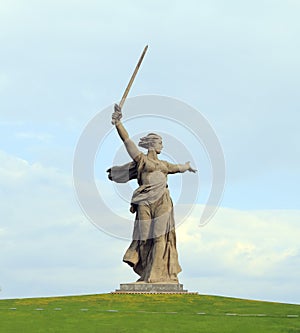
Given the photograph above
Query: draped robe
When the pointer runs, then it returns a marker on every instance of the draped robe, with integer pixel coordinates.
(152, 253)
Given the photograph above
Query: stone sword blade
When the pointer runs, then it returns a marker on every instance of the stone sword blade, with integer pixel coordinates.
(132, 79)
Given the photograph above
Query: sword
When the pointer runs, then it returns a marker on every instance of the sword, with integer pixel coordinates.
(131, 80)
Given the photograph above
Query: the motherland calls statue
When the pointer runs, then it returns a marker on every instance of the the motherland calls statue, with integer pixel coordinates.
(152, 253)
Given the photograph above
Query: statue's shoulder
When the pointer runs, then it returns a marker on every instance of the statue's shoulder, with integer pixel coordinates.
(141, 158)
(165, 162)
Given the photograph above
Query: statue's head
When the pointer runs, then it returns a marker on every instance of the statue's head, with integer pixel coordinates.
(152, 141)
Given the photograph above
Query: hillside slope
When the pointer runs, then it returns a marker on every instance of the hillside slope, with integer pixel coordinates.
(147, 313)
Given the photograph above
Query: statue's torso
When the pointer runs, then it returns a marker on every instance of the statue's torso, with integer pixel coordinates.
(154, 171)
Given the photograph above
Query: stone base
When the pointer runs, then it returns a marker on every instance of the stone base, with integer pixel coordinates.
(151, 288)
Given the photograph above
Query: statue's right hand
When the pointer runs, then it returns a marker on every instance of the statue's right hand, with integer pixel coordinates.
(117, 114)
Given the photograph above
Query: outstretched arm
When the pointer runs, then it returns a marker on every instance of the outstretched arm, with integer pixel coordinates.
(130, 146)
(175, 168)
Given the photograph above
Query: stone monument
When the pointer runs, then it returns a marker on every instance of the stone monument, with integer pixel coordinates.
(152, 253)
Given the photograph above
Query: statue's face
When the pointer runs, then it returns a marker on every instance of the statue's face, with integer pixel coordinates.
(158, 146)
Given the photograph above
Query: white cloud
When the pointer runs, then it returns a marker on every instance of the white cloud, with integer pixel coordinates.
(33, 136)
(48, 245)
(32, 192)
(251, 248)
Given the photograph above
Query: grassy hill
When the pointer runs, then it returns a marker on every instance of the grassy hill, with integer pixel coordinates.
(147, 313)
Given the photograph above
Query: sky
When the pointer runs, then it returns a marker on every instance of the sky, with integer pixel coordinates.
(235, 62)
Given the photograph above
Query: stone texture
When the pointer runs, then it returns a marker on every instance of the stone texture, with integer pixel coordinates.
(151, 288)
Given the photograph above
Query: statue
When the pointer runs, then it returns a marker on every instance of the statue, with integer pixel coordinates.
(152, 253)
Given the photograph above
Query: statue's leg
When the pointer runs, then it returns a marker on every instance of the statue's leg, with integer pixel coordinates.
(165, 264)
(145, 241)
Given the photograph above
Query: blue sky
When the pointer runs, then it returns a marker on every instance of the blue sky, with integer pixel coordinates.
(236, 62)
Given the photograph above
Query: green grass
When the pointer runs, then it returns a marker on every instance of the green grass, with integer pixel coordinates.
(146, 313)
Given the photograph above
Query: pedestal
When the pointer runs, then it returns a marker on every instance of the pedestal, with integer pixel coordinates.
(151, 288)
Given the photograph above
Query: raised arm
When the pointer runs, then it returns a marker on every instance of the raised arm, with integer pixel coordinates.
(130, 146)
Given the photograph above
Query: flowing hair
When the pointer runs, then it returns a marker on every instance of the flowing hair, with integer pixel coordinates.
(149, 141)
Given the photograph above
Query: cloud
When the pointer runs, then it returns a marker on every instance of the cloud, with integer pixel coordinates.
(33, 136)
(48, 246)
(247, 249)
(18, 176)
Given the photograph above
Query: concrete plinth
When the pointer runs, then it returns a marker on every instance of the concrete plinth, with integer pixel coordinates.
(151, 288)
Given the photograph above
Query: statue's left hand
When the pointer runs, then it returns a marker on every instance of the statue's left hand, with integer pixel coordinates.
(189, 168)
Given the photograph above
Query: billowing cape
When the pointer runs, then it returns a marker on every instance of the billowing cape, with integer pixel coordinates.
(123, 173)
